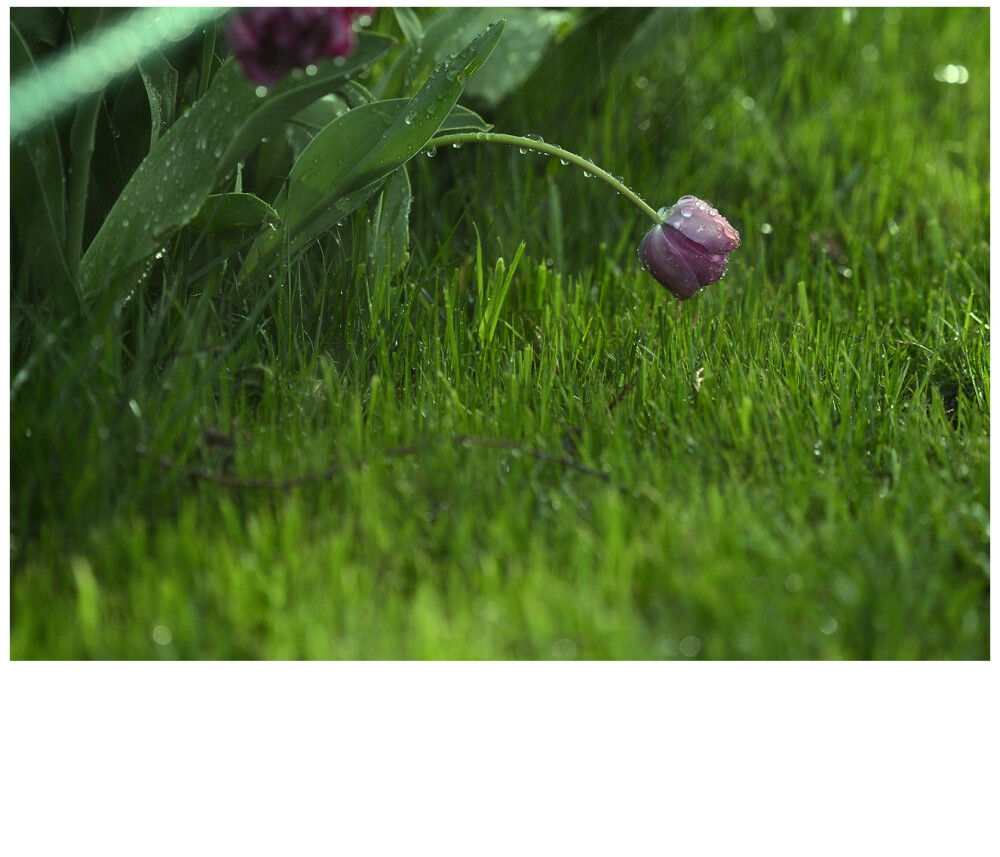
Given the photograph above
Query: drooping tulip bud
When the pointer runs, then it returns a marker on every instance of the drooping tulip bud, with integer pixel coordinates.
(271, 41)
(689, 249)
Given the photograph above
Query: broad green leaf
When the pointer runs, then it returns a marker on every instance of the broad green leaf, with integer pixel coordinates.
(528, 33)
(398, 77)
(409, 25)
(228, 212)
(81, 142)
(389, 237)
(328, 109)
(195, 154)
(355, 94)
(569, 63)
(359, 149)
(321, 113)
(463, 119)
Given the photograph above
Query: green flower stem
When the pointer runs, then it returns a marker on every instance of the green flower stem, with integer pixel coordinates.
(547, 149)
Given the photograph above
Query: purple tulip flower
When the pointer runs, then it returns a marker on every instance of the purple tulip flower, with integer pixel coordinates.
(689, 248)
(271, 41)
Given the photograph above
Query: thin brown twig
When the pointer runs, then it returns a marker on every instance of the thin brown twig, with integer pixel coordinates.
(625, 391)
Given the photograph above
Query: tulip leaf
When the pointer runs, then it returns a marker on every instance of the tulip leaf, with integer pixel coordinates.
(350, 158)
(409, 25)
(398, 77)
(160, 79)
(193, 156)
(528, 34)
(321, 113)
(390, 230)
(230, 212)
(317, 116)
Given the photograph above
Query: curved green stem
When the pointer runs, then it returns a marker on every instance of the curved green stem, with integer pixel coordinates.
(547, 149)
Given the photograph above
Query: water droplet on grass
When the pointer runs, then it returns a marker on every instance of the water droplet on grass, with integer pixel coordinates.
(689, 646)
(564, 650)
(951, 74)
(793, 583)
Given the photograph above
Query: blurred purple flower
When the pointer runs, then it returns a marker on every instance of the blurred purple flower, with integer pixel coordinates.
(690, 248)
(271, 41)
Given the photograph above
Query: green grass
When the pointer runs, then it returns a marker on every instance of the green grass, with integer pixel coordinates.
(794, 464)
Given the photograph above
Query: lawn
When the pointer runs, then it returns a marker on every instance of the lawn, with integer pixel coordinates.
(519, 445)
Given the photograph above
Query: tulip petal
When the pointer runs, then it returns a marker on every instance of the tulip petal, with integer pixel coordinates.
(271, 41)
(703, 224)
(689, 249)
